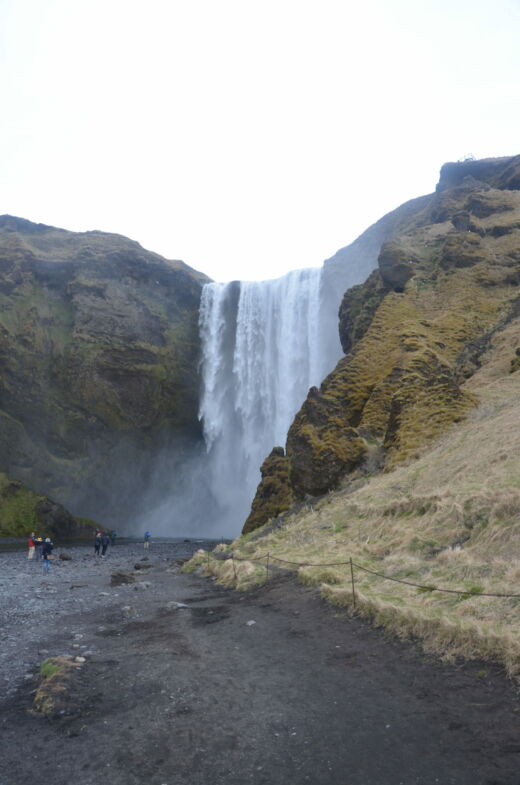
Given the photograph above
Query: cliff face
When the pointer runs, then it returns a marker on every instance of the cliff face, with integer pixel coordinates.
(98, 364)
(447, 283)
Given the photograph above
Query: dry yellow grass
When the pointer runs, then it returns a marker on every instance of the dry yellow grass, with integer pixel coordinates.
(449, 519)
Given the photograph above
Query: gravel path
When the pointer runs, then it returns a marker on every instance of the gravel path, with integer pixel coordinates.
(186, 683)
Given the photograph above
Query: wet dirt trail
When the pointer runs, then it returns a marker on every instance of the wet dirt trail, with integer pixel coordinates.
(201, 696)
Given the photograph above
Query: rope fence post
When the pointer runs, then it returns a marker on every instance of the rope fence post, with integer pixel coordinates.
(234, 566)
(208, 557)
(353, 585)
(267, 569)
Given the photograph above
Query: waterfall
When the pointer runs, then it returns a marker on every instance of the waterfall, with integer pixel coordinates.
(264, 344)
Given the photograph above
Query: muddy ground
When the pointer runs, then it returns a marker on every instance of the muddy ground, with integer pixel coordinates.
(200, 695)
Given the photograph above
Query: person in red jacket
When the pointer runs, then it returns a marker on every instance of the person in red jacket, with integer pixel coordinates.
(31, 545)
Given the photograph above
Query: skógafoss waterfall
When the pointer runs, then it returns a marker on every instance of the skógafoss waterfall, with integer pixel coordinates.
(264, 343)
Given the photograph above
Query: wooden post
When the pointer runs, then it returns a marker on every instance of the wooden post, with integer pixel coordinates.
(267, 569)
(233, 560)
(352, 579)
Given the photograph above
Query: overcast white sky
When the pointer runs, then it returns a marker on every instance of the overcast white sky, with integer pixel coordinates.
(246, 137)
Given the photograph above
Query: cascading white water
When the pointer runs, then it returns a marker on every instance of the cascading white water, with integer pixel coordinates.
(264, 345)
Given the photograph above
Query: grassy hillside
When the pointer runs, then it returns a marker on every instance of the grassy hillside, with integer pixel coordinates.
(448, 517)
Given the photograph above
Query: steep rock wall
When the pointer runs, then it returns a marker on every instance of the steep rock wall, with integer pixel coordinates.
(99, 352)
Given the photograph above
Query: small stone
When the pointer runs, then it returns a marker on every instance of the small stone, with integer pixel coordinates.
(250, 623)
(173, 604)
(80, 659)
(104, 594)
(141, 585)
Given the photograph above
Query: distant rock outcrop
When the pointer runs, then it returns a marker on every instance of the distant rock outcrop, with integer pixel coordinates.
(99, 352)
(447, 281)
(22, 512)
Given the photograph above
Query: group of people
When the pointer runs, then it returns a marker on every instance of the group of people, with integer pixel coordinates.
(41, 548)
(101, 542)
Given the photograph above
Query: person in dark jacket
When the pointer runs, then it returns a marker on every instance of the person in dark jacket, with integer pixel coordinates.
(105, 540)
(39, 545)
(97, 543)
(47, 554)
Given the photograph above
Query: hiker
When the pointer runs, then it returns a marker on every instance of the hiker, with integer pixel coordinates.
(47, 554)
(147, 538)
(39, 545)
(97, 543)
(112, 534)
(31, 545)
(105, 539)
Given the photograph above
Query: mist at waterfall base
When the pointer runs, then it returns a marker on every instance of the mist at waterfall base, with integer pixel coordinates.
(264, 344)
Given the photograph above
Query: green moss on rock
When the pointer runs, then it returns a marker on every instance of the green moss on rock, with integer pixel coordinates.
(415, 331)
(99, 357)
(274, 495)
(23, 511)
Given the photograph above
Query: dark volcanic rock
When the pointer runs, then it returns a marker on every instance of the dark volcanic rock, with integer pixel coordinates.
(274, 494)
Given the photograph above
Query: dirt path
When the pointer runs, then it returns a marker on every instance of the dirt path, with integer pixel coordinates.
(200, 696)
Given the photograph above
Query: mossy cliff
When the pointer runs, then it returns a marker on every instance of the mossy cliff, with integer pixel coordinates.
(98, 364)
(447, 282)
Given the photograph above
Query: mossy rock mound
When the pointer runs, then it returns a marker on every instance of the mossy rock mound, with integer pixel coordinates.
(23, 511)
(321, 447)
(274, 495)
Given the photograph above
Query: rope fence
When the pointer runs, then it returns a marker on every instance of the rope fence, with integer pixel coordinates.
(267, 557)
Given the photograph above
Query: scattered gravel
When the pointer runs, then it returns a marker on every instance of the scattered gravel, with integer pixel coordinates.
(30, 599)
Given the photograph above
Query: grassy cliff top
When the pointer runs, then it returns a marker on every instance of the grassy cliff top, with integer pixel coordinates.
(49, 243)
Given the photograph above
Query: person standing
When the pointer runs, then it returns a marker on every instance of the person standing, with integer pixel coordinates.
(47, 555)
(147, 538)
(97, 543)
(39, 545)
(105, 539)
(31, 545)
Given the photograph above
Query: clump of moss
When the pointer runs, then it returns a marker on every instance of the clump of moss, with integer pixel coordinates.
(53, 694)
